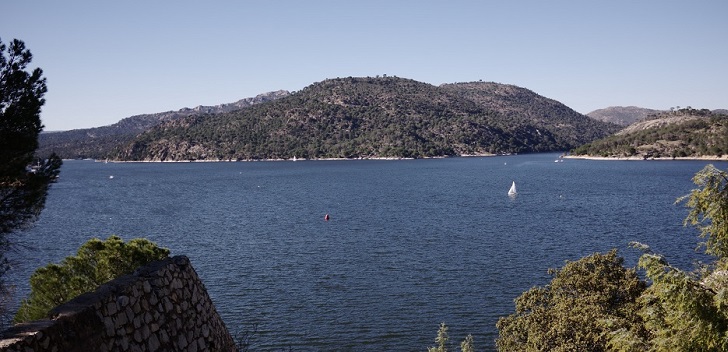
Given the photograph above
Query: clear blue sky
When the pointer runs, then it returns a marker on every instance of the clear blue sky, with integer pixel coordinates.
(106, 60)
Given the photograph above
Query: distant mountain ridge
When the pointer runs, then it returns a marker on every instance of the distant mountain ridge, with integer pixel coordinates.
(365, 117)
(98, 142)
(623, 115)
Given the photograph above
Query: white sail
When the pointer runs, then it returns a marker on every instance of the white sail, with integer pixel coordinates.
(512, 191)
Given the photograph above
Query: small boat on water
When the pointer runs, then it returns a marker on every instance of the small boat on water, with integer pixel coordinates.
(512, 191)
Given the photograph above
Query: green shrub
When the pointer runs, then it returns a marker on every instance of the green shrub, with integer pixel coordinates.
(585, 301)
(96, 263)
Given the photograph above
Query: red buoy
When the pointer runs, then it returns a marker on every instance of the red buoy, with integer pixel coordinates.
(326, 218)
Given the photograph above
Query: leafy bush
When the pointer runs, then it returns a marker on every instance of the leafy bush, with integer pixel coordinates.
(585, 300)
(96, 263)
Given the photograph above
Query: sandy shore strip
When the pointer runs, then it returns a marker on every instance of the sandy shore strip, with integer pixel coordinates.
(640, 158)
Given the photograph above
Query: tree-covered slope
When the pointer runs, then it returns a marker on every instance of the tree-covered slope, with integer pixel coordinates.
(681, 133)
(521, 105)
(369, 117)
(98, 142)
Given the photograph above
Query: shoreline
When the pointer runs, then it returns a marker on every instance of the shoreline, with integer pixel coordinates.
(274, 160)
(639, 158)
(582, 157)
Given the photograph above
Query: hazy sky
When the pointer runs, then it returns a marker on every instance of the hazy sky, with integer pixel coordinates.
(107, 60)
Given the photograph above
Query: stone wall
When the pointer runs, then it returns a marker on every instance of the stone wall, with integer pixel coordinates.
(161, 307)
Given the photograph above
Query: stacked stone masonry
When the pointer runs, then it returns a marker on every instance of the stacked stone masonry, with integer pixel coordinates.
(161, 307)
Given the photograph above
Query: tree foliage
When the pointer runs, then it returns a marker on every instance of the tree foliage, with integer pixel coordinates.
(96, 262)
(467, 345)
(585, 300)
(681, 311)
(442, 341)
(709, 209)
(688, 311)
(22, 189)
(21, 97)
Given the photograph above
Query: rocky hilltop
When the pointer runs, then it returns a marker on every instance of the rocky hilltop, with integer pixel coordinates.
(366, 117)
(97, 143)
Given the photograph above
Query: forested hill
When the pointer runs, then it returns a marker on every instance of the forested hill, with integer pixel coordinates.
(524, 106)
(98, 142)
(374, 117)
(682, 133)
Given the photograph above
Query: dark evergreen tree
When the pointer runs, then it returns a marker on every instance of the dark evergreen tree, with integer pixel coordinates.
(23, 182)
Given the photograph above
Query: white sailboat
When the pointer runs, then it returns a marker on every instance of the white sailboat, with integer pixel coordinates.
(512, 191)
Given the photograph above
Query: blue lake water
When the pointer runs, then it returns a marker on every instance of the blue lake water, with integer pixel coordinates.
(410, 243)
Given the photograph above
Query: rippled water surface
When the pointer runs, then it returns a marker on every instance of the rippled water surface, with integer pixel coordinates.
(410, 243)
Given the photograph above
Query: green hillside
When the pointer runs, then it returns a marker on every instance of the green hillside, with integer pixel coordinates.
(522, 106)
(681, 133)
(98, 142)
(374, 117)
